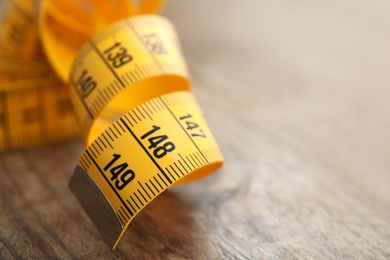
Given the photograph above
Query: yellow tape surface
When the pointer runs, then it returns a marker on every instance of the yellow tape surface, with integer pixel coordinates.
(34, 111)
(164, 141)
(35, 106)
(129, 88)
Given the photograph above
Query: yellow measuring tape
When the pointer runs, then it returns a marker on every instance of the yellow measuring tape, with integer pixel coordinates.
(19, 36)
(130, 90)
(34, 111)
(35, 106)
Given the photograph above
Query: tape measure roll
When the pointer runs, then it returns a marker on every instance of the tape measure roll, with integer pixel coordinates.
(162, 142)
(130, 91)
(122, 66)
(19, 35)
(133, 70)
(34, 110)
(35, 106)
(66, 25)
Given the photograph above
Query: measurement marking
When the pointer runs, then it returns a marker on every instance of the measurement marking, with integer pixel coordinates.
(94, 155)
(150, 180)
(146, 151)
(209, 154)
(137, 74)
(150, 111)
(109, 183)
(108, 97)
(167, 101)
(177, 120)
(131, 213)
(80, 98)
(102, 143)
(82, 161)
(139, 111)
(197, 165)
(135, 121)
(139, 119)
(99, 99)
(144, 189)
(105, 62)
(144, 70)
(155, 101)
(110, 89)
(128, 77)
(135, 202)
(94, 147)
(87, 159)
(128, 119)
(143, 43)
(116, 129)
(116, 137)
(134, 76)
(179, 168)
(154, 177)
(118, 86)
(120, 125)
(94, 108)
(202, 162)
(162, 179)
(143, 109)
(178, 176)
(138, 68)
(170, 173)
(159, 103)
(99, 144)
(126, 81)
(152, 105)
(107, 140)
(120, 216)
(135, 194)
(107, 133)
(185, 163)
(142, 196)
(103, 94)
(190, 162)
(147, 185)
(123, 216)
(131, 206)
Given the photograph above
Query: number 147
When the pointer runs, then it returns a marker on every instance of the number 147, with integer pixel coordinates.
(192, 126)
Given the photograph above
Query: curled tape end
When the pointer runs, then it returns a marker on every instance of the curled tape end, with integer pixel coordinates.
(97, 206)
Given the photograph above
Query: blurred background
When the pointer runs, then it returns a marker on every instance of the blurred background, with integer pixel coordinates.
(296, 94)
(314, 73)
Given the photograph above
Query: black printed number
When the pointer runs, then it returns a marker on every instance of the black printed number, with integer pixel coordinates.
(192, 127)
(117, 55)
(119, 172)
(158, 143)
(85, 84)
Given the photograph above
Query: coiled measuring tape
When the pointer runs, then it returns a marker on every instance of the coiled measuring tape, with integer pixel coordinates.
(66, 25)
(19, 35)
(131, 96)
(35, 106)
(34, 111)
(133, 70)
(163, 142)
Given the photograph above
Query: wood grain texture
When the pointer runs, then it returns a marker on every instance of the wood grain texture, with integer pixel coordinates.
(296, 93)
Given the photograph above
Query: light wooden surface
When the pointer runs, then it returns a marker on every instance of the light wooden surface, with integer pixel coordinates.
(297, 95)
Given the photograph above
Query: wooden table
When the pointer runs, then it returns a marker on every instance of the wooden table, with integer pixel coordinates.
(297, 95)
